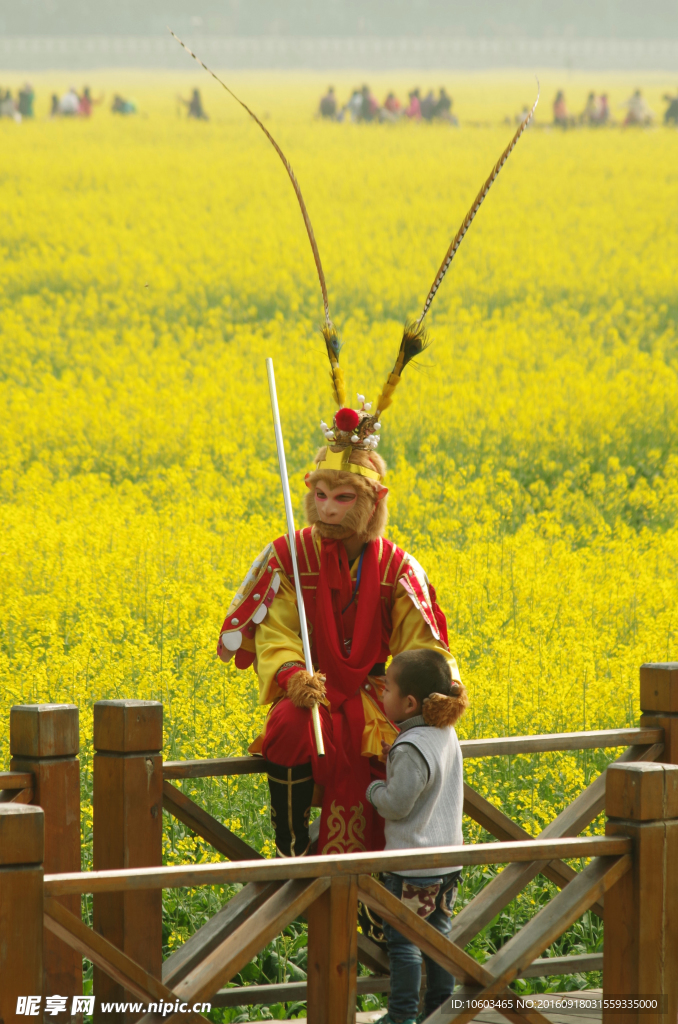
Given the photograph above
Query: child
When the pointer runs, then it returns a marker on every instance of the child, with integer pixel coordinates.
(421, 802)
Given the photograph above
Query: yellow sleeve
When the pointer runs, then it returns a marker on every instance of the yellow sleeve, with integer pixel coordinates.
(277, 640)
(411, 633)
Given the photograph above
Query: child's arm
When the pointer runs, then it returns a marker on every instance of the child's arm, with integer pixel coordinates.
(408, 774)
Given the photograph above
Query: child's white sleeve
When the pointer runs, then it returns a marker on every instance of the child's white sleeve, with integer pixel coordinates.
(407, 775)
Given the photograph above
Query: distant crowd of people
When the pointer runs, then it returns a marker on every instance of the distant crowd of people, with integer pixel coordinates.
(363, 105)
(81, 104)
(70, 104)
(597, 113)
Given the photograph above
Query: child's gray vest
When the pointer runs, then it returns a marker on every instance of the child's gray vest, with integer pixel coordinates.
(435, 820)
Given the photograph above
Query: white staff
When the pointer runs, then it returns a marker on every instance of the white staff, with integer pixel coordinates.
(315, 714)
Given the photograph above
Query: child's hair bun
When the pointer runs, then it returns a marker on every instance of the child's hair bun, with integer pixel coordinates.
(441, 711)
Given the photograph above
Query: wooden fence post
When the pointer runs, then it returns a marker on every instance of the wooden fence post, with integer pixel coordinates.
(127, 834)
(659, 703)
(640, 954)
(21, 928)
(44, 740)
(332, 987)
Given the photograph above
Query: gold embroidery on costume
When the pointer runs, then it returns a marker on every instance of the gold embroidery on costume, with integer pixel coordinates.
(343, 838)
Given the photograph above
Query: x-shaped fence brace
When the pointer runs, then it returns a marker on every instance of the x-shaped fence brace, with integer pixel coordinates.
(261, 910)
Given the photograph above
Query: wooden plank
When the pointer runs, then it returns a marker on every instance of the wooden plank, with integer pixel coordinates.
(44, 743)
(215, 766)
(179, 876)
(502, 889)
(493, 747)
(127, 810)
(205, 825)
(561, 741)
(333, 953)
(505, 829)
(553, 966)
(430, 941)
(372, 955)
(214, 931)
(288, 992)
(16, 780)
(219, 966)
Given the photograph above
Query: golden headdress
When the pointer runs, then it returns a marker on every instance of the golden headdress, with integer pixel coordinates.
(353, 429)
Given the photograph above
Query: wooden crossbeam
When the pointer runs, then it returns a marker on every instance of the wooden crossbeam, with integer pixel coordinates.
(543, 929)
(594, 740)
(179, 876)
(116, 964)
(484, 907)
(205, 825)
(504, 828)
(16, 780)
(238, 909)
(430, 941)
(213, 767)
(494, 747)
(238, 948)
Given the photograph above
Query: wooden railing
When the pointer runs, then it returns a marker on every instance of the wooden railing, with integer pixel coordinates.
(632, 879)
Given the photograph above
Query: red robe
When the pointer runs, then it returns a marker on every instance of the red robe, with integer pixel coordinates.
(350, 635)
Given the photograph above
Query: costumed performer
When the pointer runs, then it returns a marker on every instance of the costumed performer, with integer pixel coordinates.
(365, 599)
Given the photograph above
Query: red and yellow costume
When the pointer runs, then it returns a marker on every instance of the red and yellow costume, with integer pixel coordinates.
(353, 632)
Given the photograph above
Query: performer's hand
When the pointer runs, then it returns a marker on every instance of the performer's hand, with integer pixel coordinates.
(305, 690)
(385, 748)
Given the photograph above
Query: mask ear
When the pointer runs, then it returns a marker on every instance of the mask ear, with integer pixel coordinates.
(383, 491)
(306, 480)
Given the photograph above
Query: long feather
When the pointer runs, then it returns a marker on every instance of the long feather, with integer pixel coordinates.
(466, 223)
(292, 177)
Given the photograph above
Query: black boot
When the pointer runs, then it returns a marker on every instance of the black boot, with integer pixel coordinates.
(291, 796)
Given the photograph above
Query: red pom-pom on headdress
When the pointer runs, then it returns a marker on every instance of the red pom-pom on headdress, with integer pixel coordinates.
(347, 419)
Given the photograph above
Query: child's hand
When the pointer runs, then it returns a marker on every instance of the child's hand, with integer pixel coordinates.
(385, 748)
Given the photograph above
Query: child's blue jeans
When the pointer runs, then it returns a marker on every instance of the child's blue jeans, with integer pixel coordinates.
(405, 957)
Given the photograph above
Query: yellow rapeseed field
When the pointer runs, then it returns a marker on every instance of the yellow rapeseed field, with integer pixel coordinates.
(150, 264)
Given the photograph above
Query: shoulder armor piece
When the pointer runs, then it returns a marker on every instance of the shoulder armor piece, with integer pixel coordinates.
(390, 561)
(415, 581)
(307, 556)
(250, 605)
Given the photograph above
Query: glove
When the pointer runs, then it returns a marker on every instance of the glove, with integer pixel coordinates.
(305, 690)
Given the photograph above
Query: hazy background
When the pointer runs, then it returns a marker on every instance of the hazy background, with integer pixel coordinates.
(324, 34)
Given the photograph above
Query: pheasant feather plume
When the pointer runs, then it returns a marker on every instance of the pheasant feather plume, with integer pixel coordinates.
(468, 219)
(290, 172)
